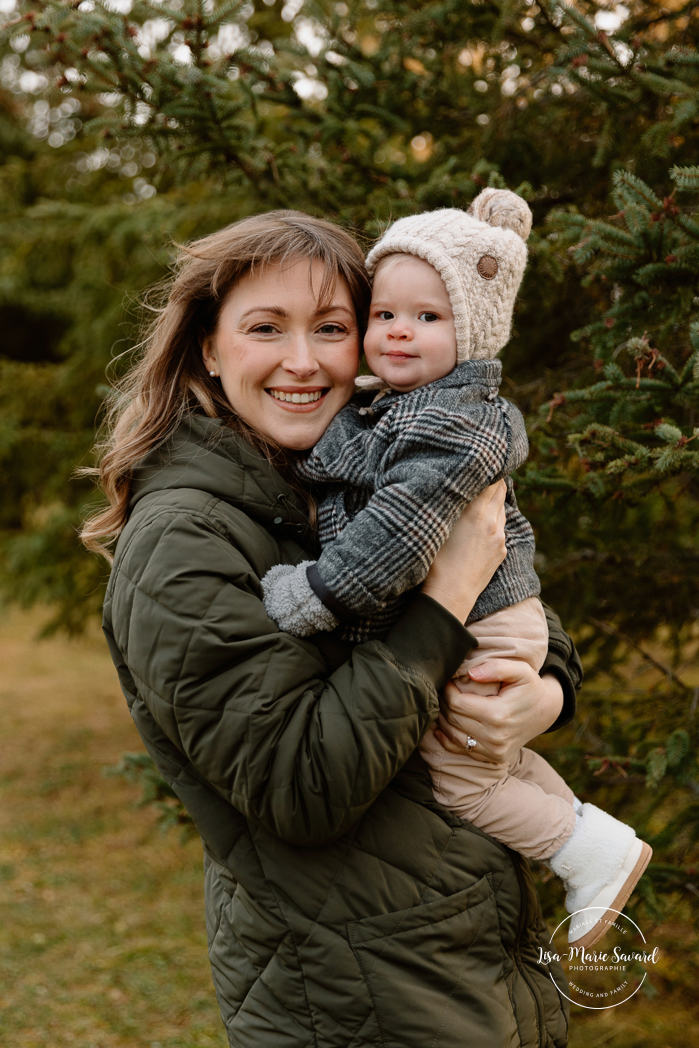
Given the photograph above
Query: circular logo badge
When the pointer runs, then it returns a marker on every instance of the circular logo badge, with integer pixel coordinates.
(611, 971)
(488, 267)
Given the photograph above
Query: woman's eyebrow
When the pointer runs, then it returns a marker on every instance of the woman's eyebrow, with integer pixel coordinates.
(334, 308)
(276, 310)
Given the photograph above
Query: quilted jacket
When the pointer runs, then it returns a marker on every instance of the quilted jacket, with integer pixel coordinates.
(345, 907)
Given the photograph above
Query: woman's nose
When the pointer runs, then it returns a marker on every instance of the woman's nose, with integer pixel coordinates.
(300, 359)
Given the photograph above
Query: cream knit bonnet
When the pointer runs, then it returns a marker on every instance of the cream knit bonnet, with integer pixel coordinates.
(480, 255)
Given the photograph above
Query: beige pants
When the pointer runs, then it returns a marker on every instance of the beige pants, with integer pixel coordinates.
(524, 804)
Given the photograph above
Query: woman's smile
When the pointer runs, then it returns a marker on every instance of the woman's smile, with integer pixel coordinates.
(298, 398)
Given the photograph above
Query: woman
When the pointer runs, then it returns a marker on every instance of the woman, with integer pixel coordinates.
(345, 907)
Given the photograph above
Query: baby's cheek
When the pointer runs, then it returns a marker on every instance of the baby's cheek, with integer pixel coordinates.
(371, 344)
(371, 335)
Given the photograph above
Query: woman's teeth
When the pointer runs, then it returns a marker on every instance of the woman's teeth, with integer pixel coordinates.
(297, 398)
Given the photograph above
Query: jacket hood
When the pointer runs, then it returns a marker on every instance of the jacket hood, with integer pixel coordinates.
(205, 455)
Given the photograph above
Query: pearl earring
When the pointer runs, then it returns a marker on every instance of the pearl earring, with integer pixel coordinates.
(213, 374)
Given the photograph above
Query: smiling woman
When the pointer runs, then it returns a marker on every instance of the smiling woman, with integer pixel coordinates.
(344, 906)
(286, 359)
(272, 305)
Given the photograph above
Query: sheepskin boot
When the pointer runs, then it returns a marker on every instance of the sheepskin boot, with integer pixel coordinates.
(600, 865)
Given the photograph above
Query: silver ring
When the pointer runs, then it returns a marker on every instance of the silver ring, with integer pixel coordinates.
(471, 742)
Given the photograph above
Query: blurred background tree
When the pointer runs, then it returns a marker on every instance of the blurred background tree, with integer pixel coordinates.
(126, 127)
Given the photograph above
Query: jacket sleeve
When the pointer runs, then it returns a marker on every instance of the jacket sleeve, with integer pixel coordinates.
(564, 663)
(434, 466)
(256, 712)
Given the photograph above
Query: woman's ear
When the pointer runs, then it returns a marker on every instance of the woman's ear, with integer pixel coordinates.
(208, 355)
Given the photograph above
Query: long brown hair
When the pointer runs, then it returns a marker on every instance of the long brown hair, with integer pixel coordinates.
(170, 381)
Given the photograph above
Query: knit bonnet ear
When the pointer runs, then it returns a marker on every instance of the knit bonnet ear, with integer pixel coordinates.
(501, 207)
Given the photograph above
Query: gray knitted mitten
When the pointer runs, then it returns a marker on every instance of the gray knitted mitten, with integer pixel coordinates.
(290, 601)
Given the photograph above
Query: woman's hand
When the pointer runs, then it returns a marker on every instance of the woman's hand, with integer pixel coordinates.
(526, 706)
(468, 559)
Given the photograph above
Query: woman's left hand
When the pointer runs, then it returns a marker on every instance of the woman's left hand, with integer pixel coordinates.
(501, 724)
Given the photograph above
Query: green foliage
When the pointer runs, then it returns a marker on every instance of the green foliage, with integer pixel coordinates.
(123, 130)
(619, 456)
(155, 792)
(626, 446)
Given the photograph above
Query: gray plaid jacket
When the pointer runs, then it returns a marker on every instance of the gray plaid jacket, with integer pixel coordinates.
(394, 478)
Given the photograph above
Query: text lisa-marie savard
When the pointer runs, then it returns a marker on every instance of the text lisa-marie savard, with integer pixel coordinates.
(588, 958)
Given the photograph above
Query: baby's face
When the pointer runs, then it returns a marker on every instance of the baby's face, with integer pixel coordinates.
(410, 340)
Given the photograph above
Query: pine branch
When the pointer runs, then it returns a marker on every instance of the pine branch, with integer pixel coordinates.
(614, 632)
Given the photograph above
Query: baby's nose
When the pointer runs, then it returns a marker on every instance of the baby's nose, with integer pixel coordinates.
(400, 330)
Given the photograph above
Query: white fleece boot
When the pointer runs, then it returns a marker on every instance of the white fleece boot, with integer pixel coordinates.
(600, 865)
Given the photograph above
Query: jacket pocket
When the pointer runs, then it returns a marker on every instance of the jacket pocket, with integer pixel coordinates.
(434, 972)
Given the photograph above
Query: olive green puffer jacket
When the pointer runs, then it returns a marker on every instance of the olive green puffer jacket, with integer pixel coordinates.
(345, 907)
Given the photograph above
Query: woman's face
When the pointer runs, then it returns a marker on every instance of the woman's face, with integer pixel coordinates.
(286, 366)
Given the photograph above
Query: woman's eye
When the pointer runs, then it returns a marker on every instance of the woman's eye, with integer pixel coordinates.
(429, 318)
(332, 329)
(264, 329)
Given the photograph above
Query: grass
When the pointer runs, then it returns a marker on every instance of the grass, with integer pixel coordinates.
(102, 943)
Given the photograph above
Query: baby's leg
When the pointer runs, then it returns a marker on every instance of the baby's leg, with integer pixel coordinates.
(519, 812)
(518, 632)
(598, 858)
(526, 805)
(531, 767)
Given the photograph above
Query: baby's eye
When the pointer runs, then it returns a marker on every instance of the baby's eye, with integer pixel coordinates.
(385, 314)
(429, 318)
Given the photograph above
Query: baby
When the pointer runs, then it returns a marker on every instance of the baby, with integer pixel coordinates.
(397, 466)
